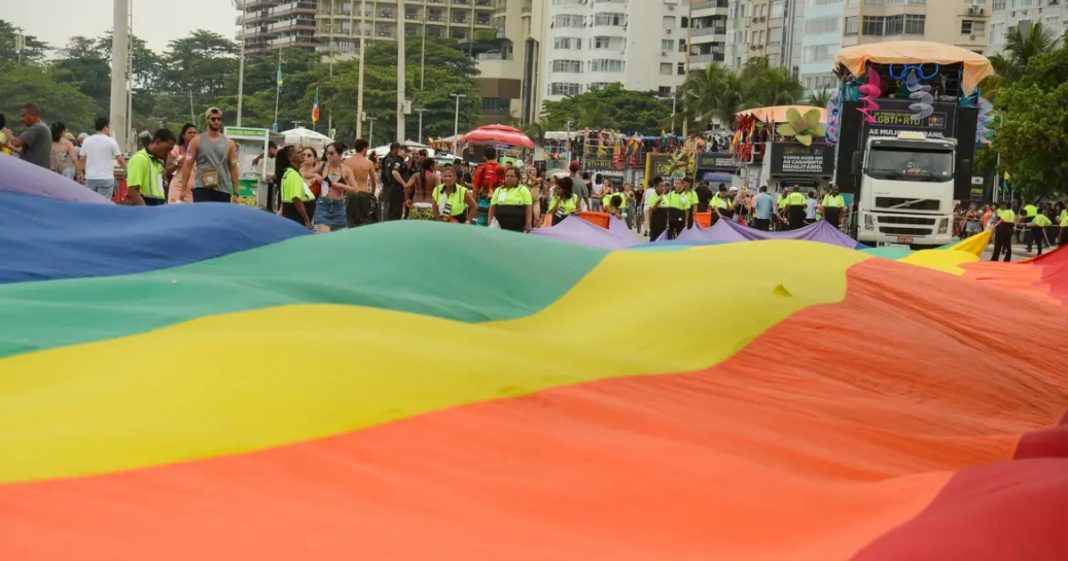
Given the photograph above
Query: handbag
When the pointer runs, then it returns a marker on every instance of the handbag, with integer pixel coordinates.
(209, 179)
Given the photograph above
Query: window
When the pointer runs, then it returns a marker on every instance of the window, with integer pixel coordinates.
(827, 24)
(915, 25)
(778, 9)
(564, 88)
(850, 27)
(669, 22)
(681, 69)
(775, 36)
(818, 53)
(895, 25)
(567, 43)
(606, 43)
(568, 20)
(665, 68)
(606, 65)
(972, 27)
(667, 45)
(873, 25)
(664, 90)
(567, 66)
(609, 18)
(599, 85)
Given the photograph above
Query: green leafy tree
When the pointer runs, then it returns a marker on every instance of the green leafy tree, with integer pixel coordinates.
(819, 98)
(33, 51)
(609, 107)
(58, 101)
(717, 93)
(1032, 137)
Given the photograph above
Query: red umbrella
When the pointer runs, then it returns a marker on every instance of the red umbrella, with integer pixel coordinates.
(499, 134)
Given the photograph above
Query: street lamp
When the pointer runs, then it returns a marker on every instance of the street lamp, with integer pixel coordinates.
(371, 132)
(456, 119)
(420, 110)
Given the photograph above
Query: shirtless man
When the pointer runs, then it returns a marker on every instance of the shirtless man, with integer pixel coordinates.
(360, 206)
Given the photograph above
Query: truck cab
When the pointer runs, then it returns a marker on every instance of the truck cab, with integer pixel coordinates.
(906, 190)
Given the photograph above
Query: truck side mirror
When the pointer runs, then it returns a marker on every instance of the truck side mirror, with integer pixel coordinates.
(857, 161)
(966, 167)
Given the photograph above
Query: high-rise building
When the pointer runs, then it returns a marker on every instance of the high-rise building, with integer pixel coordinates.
(708, 32)
(821, 41)
(962, 23)
(588, 44)
(769, 29)
(1007, 14)
(507, 74)
(269, 25)
(335, 26)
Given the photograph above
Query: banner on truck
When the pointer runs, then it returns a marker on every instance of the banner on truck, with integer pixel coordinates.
(788, 158)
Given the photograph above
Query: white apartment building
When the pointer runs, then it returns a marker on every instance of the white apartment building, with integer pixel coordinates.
(588, 44)
(708, 32)
(821, 41)
(765, 28)
(1006, 14)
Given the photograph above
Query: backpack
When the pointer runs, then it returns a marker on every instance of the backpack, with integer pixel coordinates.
(487, 175)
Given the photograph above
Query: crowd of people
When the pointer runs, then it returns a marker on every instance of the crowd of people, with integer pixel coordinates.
(344, 189)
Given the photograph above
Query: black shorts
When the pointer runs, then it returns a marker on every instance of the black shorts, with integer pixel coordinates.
(205, 195)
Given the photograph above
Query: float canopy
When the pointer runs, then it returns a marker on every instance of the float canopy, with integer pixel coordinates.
(856, 59)
(778, 112)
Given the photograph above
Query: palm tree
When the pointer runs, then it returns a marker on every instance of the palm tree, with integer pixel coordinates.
(536, 132)
(1020, 48)
(713, 93)
(819, 98)
(591, 115)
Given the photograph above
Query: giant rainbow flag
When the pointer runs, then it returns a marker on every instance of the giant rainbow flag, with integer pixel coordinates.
(208, 383)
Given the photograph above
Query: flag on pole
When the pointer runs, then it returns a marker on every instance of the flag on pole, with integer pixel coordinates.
(315, 107)
(278, 80)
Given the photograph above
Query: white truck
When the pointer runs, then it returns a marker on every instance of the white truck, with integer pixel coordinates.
(906, 191)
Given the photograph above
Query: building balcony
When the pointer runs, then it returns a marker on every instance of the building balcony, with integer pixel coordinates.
(257, 4)
(293, 8)
(702, 31)
(292, 25)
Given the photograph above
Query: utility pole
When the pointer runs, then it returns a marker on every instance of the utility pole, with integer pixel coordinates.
(363, 57)
(420, 111)
(120, 38)
(240, 4)
(400, 71)
(371, 132)
(422, 52)
(456, 119)
(131, 134)
(277, 91)
(686, 74)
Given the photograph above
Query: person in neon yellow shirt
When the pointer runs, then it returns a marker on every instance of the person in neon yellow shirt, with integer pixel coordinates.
(1063, 238)
(1039, 222)
(510, 205)
(1004, 224)
(796, 209)
(452, 201)
(144, 171)
(297, 200)
(564, 202)
(678, 203)
(833, 203)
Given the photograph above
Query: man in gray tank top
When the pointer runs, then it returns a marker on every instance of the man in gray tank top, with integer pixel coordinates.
(215, 157)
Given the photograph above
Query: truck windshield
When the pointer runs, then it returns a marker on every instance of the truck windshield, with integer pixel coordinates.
(910, 164)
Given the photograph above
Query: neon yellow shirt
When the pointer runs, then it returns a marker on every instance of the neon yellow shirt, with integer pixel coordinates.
(146, 173)
(450, 205)
(833, 201)
(515, 196)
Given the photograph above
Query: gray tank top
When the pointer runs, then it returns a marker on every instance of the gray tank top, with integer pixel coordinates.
(211, 154)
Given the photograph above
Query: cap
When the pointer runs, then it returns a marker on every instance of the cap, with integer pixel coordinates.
(733, 189)
(396, 146)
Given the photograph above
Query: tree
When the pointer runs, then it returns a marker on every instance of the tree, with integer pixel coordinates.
(1020, 48)
(1035, 125)
(819, 99)
(609, 107)
(718, 93)
(33, 49)
(58, 102)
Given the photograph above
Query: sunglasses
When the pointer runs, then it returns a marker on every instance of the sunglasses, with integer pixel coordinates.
(215, 119)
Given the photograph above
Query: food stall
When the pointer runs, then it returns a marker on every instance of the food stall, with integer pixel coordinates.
(251, 143)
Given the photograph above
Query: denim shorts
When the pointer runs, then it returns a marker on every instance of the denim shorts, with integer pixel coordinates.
(104, 187)
(331, 213)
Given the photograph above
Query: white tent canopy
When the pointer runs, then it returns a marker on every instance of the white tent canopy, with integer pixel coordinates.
(302, 137)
